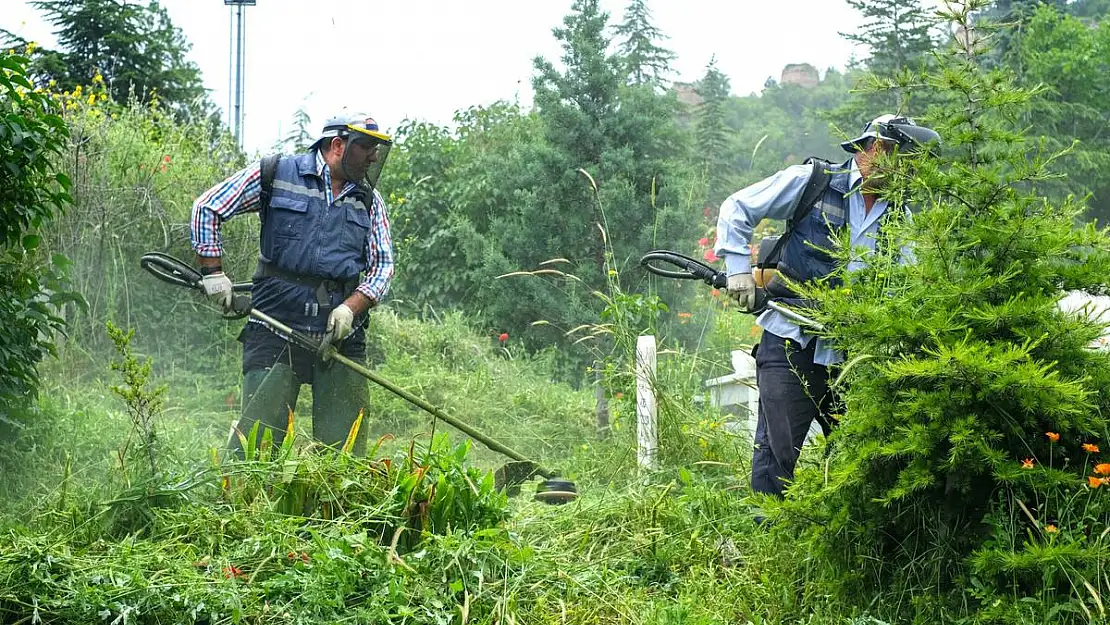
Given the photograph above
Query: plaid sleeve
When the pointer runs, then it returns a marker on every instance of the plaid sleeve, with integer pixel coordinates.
(238, 194)
(379, 254)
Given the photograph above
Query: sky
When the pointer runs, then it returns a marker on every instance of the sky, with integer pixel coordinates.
(426, 59)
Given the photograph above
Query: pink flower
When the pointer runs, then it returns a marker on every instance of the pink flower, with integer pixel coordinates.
(704, 241)
(710, 256)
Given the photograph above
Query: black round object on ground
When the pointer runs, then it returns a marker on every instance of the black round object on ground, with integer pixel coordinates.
(556, 491)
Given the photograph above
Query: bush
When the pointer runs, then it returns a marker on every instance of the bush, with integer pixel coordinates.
(31, 196)
(974, 407)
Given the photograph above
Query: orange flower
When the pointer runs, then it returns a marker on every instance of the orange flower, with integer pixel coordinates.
(1103, 468)
(1093, 481)
(1050, 529)
(1053, 437)
(1090, 448)
(1027, 463)
(232, 571)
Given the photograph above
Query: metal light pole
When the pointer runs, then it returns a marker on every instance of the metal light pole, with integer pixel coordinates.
(236, 76)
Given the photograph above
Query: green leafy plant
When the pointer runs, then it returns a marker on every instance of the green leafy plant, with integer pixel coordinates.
(32, 193)
(974, 406)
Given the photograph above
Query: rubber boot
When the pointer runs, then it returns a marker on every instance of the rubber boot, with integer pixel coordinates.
(268, 396)
(338, 394)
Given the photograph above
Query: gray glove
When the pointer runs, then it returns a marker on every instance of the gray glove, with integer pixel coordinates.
(217, 286)
(340, 323)
(741, 287)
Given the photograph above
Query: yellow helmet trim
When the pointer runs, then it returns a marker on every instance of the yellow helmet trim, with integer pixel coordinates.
(376, 135)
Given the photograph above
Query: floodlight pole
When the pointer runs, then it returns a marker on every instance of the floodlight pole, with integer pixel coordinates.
(236, 78)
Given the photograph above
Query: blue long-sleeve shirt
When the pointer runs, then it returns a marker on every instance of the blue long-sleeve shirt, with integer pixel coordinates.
(773, 198)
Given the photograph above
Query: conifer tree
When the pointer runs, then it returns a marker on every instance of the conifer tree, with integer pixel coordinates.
(975, 408)
(300, 137)
(136, 49)
(898, 34)
(711, 130)
(648, 62)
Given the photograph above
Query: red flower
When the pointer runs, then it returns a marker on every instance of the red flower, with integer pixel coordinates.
(715, 292)
(166, 158)
(710, 256)
(704, 241)
(504, 336)
(231, 571)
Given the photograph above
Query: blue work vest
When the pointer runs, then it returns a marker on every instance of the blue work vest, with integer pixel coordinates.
(311, 254)
(804, 256)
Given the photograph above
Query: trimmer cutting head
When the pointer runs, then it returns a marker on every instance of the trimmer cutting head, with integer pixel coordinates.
(556, 491)
(552, 490)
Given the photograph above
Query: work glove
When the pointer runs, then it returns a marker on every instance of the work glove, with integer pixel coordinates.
(340, 322)
(217, 286)
(741, 287)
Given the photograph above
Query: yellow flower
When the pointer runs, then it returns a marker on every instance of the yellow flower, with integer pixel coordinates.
(1050, 529)
(1027, 463)
(31, 45)
(103, 97)
(92, 99)
(99, 78)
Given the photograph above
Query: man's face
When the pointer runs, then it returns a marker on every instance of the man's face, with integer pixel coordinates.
(356, 157)
(868, 161)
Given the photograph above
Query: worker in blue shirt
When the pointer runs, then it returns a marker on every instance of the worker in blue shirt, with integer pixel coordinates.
(792, 366)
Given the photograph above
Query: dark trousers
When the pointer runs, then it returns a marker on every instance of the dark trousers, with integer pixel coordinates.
(273, 372)
(793, 391)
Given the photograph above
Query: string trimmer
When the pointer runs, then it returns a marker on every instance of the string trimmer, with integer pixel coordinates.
(691, 269)
(553, 490)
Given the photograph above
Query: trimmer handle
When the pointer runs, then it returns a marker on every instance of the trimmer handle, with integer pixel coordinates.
(688, 268)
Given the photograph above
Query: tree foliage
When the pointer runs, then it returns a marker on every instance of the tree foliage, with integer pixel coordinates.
(1070, 59)
(974, 407)
(897, 33)
(135, 48)
(32, 193)
(646, 61)
(711, 132)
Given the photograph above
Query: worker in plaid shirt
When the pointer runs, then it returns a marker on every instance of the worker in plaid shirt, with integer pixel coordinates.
(325, 259)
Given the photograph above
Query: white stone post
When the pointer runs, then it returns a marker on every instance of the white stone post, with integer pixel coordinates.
(647, 431)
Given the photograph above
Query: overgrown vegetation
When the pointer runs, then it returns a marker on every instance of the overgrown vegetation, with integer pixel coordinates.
(32, 193)
(968, 464)
(966, 483)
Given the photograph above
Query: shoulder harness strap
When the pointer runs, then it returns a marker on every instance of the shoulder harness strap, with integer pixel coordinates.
(815, 187)
(269, 170)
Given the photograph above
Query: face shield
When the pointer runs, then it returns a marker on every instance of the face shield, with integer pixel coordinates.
(900, 134)
(909, 137)
(364, 155)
